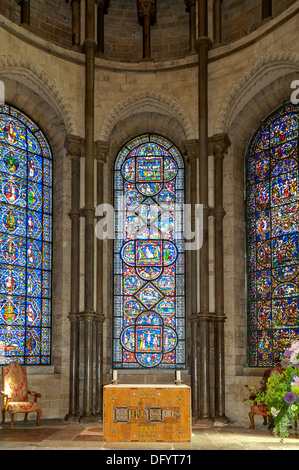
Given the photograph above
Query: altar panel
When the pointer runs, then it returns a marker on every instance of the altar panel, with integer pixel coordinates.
(158, 413)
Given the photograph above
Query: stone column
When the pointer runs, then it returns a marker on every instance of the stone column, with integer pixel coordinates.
(146, 18)
(76, 13)
(203, 44)
(217, 23)
(191, 147)
(221, 143)
(266, 9)
(73, 146)
(102, 151)
(25, 12)
(103, 6)
(88, 317)
(191, 9)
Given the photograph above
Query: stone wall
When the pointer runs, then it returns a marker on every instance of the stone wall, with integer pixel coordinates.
(52, 21)
(240, 18)
(247, 80)
(49, 19)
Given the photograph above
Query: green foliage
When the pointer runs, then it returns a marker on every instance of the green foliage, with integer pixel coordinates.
(281, 394)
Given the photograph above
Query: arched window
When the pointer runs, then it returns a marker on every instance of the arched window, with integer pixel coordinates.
(25, 240)
(149, 258)
(272, 242)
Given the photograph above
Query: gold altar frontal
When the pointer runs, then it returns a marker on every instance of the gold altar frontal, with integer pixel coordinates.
(157, 413)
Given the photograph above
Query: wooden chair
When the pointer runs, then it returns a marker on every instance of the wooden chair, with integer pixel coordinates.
(15, 394)
(258, 409)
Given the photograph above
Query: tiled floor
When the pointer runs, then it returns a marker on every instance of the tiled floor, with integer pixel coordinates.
(59, 435)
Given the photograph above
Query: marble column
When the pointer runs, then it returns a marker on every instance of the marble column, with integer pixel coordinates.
(221, 143)
(73, 147)
(76, 13)
(101, 155)
(146, 18)
(102, 10)
(190, 6)
(191, 147)
(203, 44)
(89, 316)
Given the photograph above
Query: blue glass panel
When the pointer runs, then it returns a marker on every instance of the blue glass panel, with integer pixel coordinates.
(272, 237)
(149, 265)
(25, 240)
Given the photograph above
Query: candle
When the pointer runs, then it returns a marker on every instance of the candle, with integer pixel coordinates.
(178, 375)
(114, 375)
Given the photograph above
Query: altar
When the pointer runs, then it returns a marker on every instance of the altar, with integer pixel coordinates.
(157, 413)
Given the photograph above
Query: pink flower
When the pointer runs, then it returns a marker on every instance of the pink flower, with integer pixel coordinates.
(285, 363)
(296, 380)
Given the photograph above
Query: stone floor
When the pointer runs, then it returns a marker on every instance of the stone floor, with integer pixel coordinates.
(59, 435)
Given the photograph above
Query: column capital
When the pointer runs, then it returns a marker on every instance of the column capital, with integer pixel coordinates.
(102, 150)
(191, 148)
(104, 4)
(72, 1)
(189, 4)
(203, 41)
(89, 43)
(146, 8)
(73, 145)
(220, 144)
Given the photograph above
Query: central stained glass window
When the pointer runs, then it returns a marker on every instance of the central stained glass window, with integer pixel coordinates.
(25, 240)
(272, 245)
(149, 257)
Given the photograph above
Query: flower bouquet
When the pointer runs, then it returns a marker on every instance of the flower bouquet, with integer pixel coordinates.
(281, 395)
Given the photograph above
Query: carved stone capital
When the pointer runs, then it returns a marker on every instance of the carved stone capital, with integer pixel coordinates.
(203, 41)
(72, 1)
(73, 145)
(102, 150)
(220, 143)
(146, 8)
(191, 149)
(104, 4)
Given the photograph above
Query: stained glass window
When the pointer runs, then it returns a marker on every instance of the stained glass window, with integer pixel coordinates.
(272, 218)
(149, 258)
(25, 240)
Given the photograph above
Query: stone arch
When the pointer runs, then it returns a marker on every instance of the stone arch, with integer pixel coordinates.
(266, 85)
(147, 111)
(31, 90)
(258, 93)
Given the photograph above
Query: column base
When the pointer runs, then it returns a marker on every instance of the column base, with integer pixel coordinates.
(203, 422)
(90, 419)
(72, 418)
(222, 420)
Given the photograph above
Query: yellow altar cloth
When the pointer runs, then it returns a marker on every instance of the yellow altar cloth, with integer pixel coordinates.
(158, 413)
